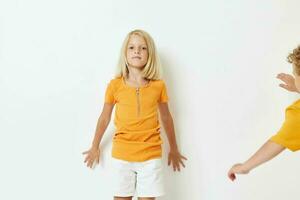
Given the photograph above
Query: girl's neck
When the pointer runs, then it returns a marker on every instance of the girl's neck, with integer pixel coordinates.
(135, 75)
(135, 78)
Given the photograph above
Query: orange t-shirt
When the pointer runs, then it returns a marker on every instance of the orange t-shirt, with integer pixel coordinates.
(137, 136)
(289, 134)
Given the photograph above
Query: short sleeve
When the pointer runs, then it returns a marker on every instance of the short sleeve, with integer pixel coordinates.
(289, 134)
(163, 95)
(109, 93)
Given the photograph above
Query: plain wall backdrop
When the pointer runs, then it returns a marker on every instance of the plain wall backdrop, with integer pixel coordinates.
(220, 60)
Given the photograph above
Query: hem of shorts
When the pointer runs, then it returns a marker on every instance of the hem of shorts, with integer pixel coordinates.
(151, 195)
(122, 195)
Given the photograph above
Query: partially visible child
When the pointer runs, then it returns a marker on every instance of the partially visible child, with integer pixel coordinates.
(289, 134)
(137, 93)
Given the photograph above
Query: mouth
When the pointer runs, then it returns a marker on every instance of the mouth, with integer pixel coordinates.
(136, 57)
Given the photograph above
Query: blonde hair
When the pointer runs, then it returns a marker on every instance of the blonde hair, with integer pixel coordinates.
(294, 58)
(152, 69)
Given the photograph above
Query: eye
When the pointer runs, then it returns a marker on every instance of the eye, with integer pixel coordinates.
(144, 48)
(131, 47)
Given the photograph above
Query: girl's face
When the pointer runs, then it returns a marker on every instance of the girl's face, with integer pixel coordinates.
(297, 78)
(137, 52)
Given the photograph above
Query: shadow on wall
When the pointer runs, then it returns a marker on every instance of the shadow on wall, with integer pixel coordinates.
(177, 183)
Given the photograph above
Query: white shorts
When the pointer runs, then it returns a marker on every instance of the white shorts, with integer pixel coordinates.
(143, 179)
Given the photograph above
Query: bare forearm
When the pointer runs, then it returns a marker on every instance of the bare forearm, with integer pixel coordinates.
(170, 131)
(268, 151)
(100, 129)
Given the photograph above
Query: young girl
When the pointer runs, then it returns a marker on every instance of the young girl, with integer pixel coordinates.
(138, 93)
(289, 134)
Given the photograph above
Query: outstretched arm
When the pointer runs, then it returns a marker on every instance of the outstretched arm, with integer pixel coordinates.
(268, 151)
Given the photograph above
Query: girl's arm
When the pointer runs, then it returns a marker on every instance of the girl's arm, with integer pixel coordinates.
(174, 156)
(94, 152)
(268, 151)
(103, 122)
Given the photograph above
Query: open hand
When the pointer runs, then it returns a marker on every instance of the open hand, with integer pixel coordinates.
(93, 154)
(175, 158)
(289, 82)
(237, 169)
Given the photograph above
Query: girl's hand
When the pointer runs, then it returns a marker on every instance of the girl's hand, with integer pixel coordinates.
(175, 158)
(237, 169)
(289, 82)
(92, 155)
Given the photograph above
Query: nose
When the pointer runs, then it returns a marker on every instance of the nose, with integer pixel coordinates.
(137, 51)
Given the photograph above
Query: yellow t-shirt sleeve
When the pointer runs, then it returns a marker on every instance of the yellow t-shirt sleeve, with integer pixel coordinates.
(163, 95)
(289, 134)
(109, 93)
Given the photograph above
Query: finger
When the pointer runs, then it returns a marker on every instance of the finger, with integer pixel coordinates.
(88, 157)
(285, 80)
(183, 157)
(98, 160)
(90, 163)
(174, 167)
(281, 75)
(284, 77)
(232, 176)
(178, 166)
(176, 163)
(169, 160)
(281, 78)
(284, 86)
(91, 160)
(182, 163)
(85, 152)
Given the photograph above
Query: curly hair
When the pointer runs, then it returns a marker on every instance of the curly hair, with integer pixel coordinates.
(294, 58)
